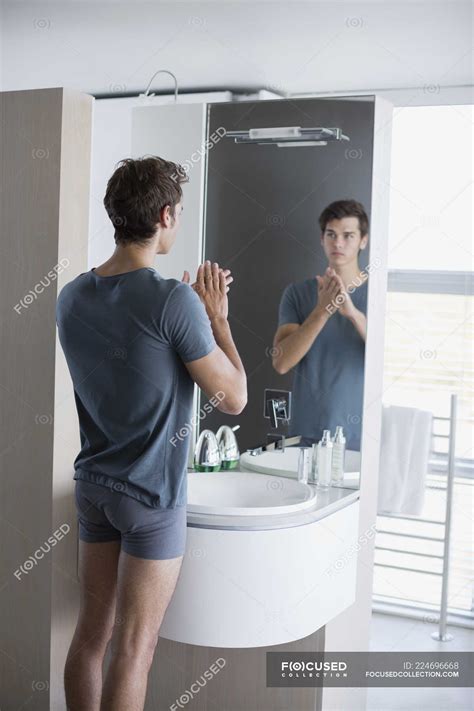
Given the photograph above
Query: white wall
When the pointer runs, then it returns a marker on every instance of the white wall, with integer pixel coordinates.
(177, 132)
(350, 631)
(112, 141)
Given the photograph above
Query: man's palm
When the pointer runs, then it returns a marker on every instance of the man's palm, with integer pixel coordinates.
(228, 279)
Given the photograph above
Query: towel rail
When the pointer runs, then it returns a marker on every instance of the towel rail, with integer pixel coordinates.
(410, 535)
(409, 570)
(400, 550)
(413, 517)
(442, 634)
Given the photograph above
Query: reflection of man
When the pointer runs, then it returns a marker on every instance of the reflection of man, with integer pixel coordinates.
(322, 329)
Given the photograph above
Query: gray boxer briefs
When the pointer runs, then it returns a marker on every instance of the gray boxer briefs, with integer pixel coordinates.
(107, 514)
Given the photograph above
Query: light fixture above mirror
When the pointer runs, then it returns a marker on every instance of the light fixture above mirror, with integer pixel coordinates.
(288, 136)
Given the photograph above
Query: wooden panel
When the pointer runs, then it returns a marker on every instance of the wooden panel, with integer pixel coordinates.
(35, 200)
(240, 685)
(30, 179)
(72, 248)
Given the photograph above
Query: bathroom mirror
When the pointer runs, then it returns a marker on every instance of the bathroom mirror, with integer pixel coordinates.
(272, 172)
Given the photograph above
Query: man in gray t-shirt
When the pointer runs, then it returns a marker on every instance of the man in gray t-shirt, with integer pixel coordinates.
(328, 383)
(126, 338)
(322, 330)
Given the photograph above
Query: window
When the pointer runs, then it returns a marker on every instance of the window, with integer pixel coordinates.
(429, 345)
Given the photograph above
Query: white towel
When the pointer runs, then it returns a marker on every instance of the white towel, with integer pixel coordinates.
(404, 454)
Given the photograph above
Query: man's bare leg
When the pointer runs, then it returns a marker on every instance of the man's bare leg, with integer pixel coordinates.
(144, 590)
(98, 579)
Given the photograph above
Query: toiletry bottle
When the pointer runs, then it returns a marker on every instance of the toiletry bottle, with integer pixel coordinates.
(324, 460)
(304, 462)
(338, 454)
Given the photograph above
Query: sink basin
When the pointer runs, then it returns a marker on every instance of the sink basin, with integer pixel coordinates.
(286, 463)
(237, 493)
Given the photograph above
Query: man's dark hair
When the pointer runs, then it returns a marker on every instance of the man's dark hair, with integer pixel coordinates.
(345, 208)
(137, 191)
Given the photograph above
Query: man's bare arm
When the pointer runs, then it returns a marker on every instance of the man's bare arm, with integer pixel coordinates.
(359, 321)
(292, 341)
(347, 309)
(221, 371)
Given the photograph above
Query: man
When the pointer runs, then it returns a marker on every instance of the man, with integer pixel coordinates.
(135, 344)
(322, 329)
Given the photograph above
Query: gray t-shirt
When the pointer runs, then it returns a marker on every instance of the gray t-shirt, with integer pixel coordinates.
(126, 338)
(328, 382)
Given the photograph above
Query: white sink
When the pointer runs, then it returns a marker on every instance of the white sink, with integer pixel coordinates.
(286, 463)
(237, 493)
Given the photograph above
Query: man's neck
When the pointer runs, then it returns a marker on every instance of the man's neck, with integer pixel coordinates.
(126, 259)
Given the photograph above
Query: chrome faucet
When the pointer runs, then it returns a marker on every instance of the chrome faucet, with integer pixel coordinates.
(273, 442)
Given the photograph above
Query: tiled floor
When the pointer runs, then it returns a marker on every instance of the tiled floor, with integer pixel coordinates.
(398, 634)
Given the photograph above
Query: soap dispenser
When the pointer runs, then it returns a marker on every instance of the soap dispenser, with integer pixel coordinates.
(228, 446)
(207, 457)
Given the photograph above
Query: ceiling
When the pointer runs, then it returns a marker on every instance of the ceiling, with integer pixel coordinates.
(113, 47)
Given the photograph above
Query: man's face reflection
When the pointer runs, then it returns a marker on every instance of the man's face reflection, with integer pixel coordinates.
(342, 241)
